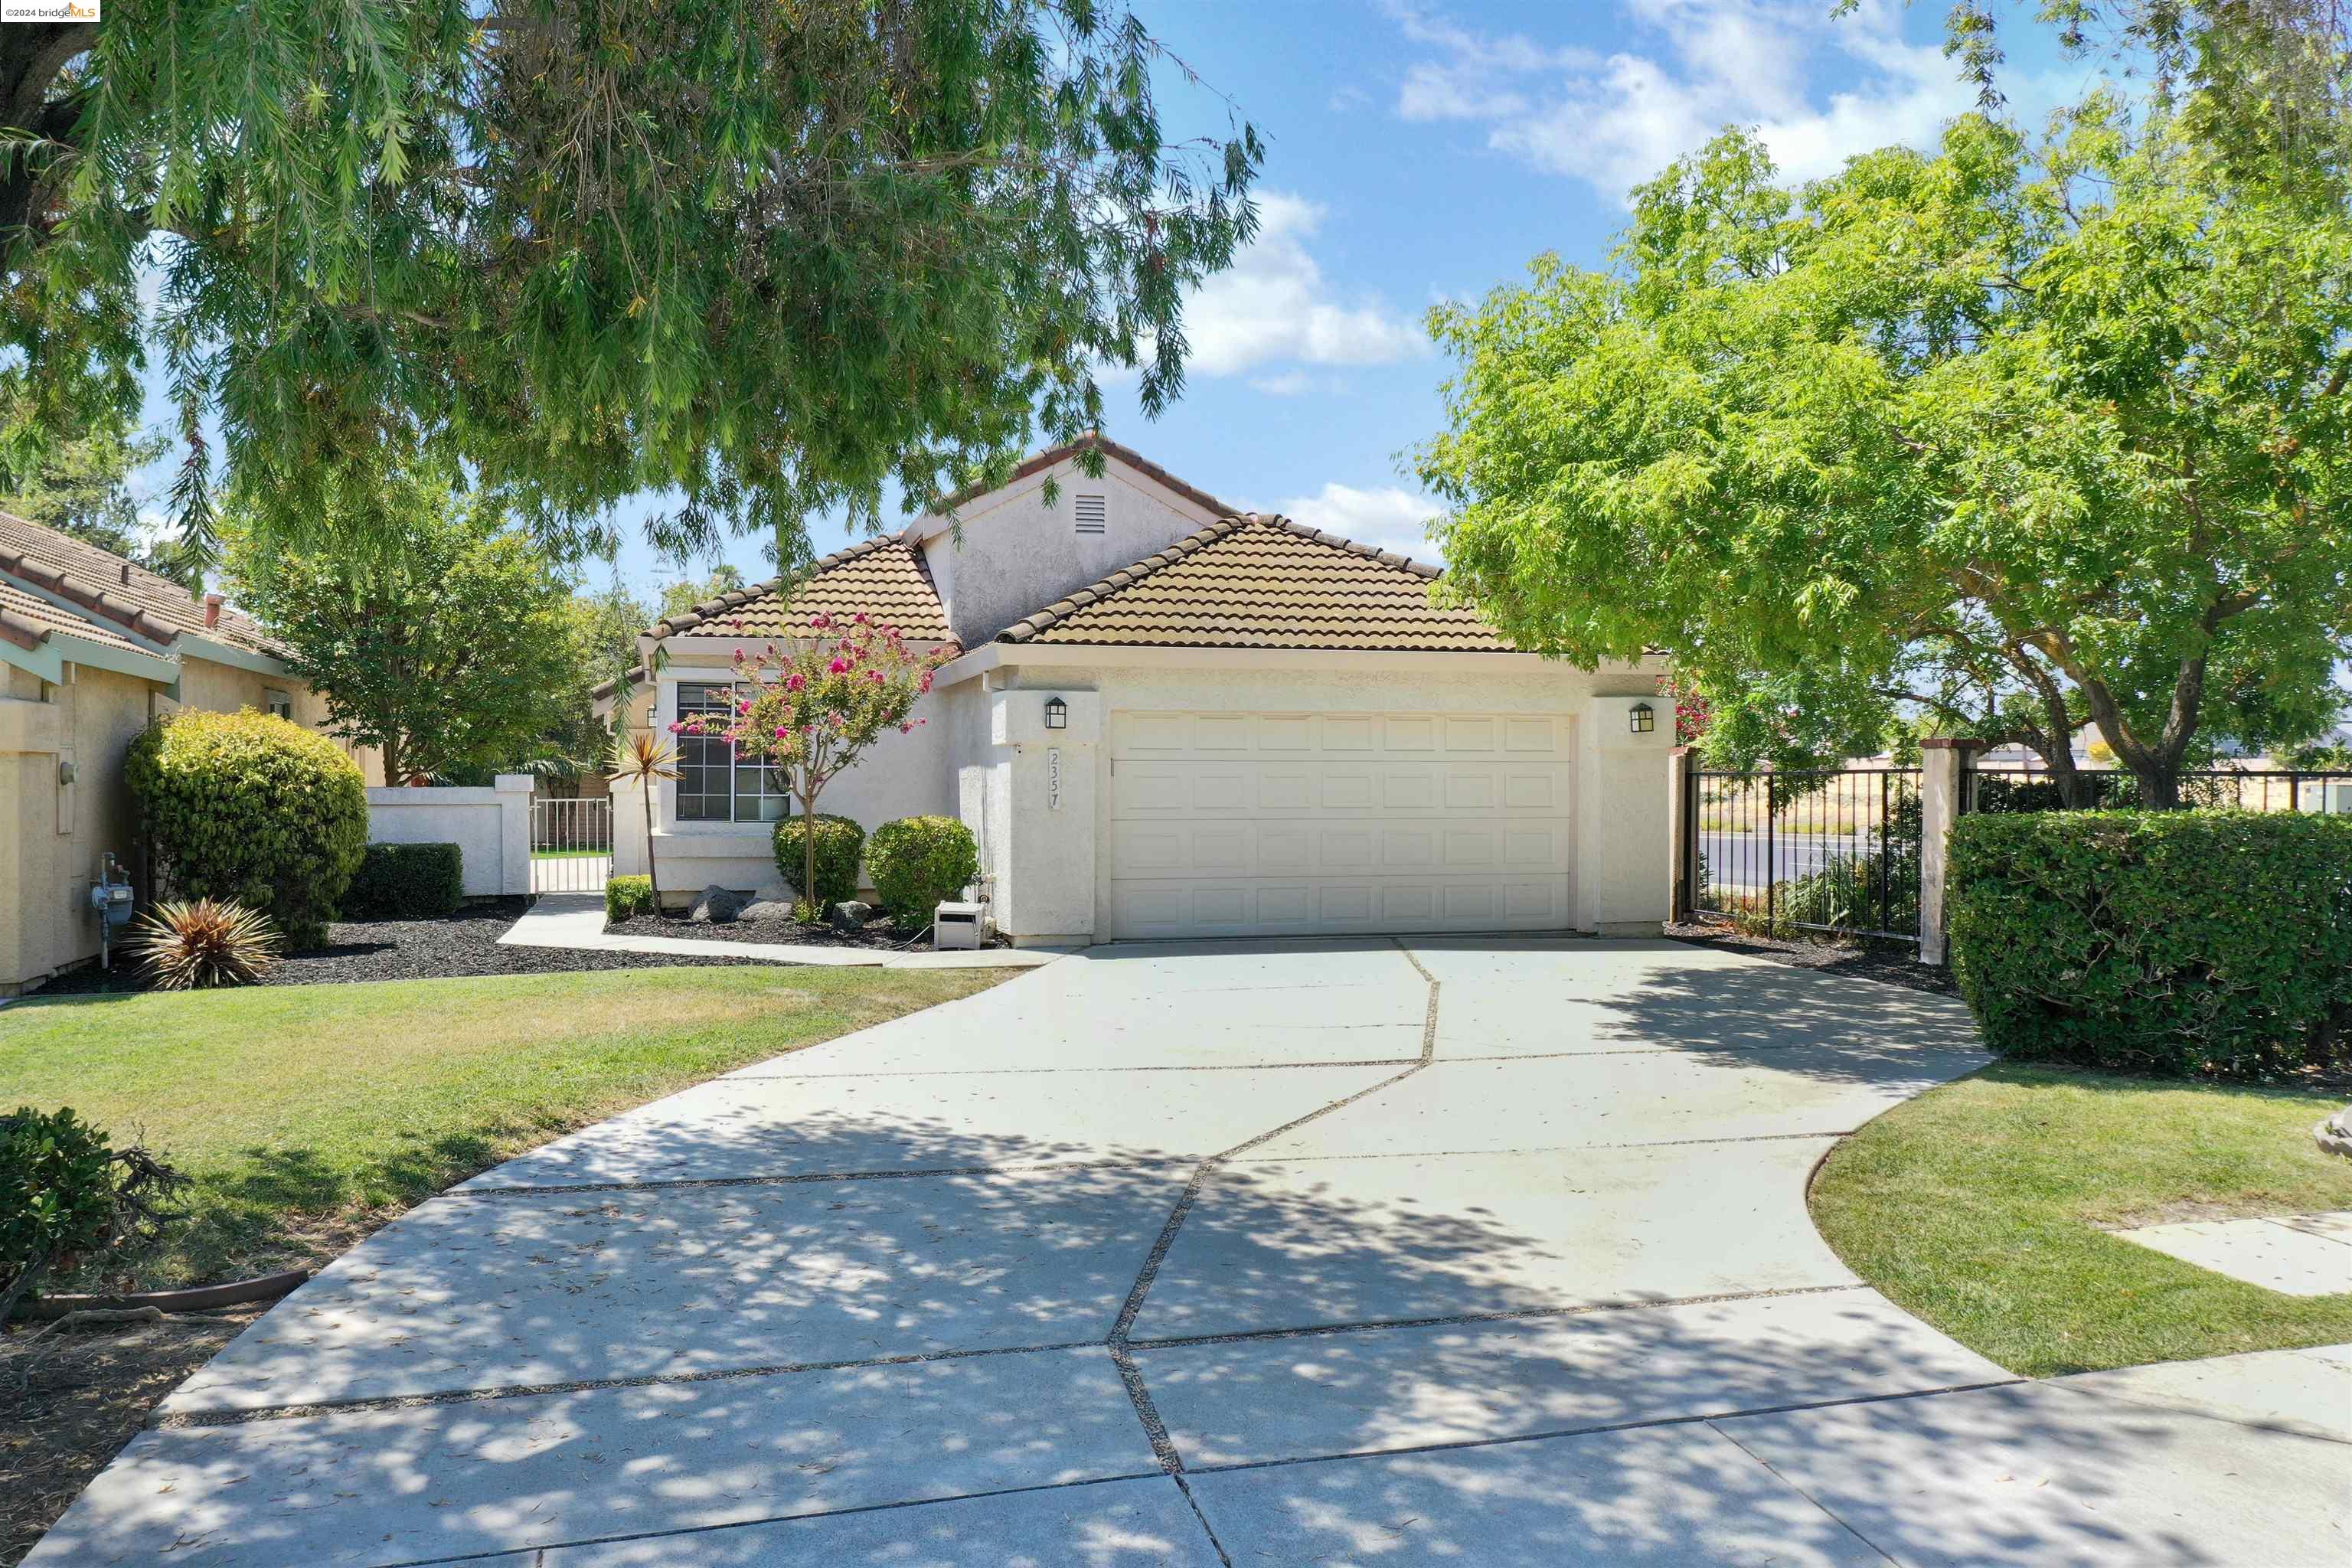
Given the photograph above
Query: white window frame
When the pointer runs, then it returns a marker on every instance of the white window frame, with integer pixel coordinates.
(771, 800)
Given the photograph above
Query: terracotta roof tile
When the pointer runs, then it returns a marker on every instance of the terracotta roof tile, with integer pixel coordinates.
(885, 578)
(1265, 581)
(27, 620)
(141, 603)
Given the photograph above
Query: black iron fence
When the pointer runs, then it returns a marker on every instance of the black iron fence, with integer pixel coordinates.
(2012, 789)
(1833, 849)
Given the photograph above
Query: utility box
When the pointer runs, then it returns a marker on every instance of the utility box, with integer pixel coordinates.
(957, 926)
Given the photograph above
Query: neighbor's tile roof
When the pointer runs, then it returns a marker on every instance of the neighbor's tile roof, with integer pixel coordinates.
(130, 597)
(1265, 581)
(885, 578)
(28, 620)
(1096, 441)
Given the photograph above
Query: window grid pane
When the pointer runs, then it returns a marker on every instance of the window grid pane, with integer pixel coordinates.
(704, 762)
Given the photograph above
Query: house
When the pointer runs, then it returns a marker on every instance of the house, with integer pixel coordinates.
(93, 648)
(1265, 730)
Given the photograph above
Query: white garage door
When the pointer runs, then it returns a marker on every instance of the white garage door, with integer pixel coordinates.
(1282, 824)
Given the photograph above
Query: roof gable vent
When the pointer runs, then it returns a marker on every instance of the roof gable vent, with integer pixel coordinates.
(1092, 513)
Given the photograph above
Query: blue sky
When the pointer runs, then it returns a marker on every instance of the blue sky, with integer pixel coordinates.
(1418, 152)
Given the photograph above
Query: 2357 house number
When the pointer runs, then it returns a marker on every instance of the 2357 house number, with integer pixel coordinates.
(1054, 778)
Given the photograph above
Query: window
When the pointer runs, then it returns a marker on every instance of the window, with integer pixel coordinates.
(712, 785)
(1091, 513)
(281, 706)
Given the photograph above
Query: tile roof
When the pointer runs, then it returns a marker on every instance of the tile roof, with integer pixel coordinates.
(27, 620)
(1265, 581)
(141, 603)
(1109, 448)
(886, 578)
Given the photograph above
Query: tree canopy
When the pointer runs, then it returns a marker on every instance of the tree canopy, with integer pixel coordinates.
(762, 258)
(2074, 411)
(455, 646)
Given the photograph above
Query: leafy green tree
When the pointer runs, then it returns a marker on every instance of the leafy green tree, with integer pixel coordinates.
(683, 595)
(450, 645)
(80, 485)
(2076, 409)
(761, 256)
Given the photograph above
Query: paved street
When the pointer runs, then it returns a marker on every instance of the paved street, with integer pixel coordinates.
(1488, 1252)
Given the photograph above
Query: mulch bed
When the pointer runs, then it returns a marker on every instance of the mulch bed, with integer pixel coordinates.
(88, 1394)
(464, 943)
(1893, 962)
(874, 933)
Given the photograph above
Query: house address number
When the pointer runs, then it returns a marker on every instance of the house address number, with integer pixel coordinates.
(1053, 778)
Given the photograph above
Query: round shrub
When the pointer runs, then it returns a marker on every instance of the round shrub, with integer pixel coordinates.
(249, 807)
(625, 897)
(917, 861)
(407, 882)
(840, 842)
(2176, 941)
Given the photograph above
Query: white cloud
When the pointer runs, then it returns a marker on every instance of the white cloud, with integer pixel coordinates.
(1390, 518)
(1289, 383)
(1614, 121)
(1275, 306)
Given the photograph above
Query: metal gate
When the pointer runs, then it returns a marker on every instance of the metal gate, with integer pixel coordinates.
(571, 844)
(1830, 849)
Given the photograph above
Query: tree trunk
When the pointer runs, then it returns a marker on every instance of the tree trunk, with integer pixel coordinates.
(393, 754)
(653, 877)
(808, 856)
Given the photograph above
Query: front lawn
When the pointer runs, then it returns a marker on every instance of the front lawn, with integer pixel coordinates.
(310, 1114)
(1979, 1206)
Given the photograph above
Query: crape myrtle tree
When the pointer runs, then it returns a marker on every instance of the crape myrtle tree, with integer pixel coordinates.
(2073, 410)
(760, 256)
(810, 707)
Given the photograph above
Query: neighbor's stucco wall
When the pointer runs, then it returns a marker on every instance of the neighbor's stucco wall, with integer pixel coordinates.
(491, 828)
(1012, 553)
(57, 833)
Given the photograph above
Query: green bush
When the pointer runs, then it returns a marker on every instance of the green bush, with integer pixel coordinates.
(626, 897)
(248, 808)
(917, 861)
(2174, 941)
(407, 882)
(840, 842)
(66, 1193)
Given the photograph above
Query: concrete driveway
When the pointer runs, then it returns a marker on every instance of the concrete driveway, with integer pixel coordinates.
(1456, 1251)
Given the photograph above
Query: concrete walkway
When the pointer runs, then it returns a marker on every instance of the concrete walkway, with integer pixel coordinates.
(1490, 1253)
(577, 921)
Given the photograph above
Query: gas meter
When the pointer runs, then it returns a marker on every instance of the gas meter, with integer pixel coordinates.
(109, 898)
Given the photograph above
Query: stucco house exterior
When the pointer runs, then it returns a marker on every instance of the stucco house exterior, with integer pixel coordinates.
(93, 648)
(1267, 731)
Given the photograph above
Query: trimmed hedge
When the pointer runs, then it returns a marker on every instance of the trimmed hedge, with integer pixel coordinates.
(628, 896)
(407, 882)
(2175, 941)
(840, 845)
(249, 807)
(916, 862)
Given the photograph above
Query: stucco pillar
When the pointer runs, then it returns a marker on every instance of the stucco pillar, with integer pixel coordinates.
(514, 792)
(1680, 761)
(31, 738)
(1045, 890)
(1943, 783)
(1623, 818)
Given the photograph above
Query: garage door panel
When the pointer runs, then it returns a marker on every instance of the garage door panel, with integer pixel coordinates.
(1305, 823)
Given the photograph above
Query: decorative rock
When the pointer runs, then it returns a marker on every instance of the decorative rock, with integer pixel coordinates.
(775, 891)
(766, 908)
(2334, 1135)
(715, 905)
(850, 915)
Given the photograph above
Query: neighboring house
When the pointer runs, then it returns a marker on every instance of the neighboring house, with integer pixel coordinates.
(93, 648)
(1269, 731)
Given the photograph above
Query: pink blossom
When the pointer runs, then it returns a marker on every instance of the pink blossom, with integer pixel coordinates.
(676, 729)
(859, 618)
(820, 620)
(838, 667)
(795, 681)
(780, 732)
(906, 729)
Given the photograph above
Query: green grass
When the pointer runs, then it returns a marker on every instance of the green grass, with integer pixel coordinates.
(569, 854)
(1980, 1207)
(309, 1114)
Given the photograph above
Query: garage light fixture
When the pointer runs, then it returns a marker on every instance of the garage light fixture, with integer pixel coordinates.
(1057, 713)
(1644, 718)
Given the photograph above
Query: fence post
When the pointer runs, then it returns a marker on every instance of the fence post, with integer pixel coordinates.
(1682, 821)
(1943, 795)
(514, 792)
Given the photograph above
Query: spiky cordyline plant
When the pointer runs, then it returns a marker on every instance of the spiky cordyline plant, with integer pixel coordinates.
(211, 942)
(643, 758)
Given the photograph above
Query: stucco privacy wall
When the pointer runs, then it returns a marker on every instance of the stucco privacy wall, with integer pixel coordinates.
(491, 828)
(217, 688)
(58, 832)
(1053, 873)
(1011, 553)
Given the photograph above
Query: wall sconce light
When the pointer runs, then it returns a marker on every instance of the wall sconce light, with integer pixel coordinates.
(1644, 718)
(1057, 713)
